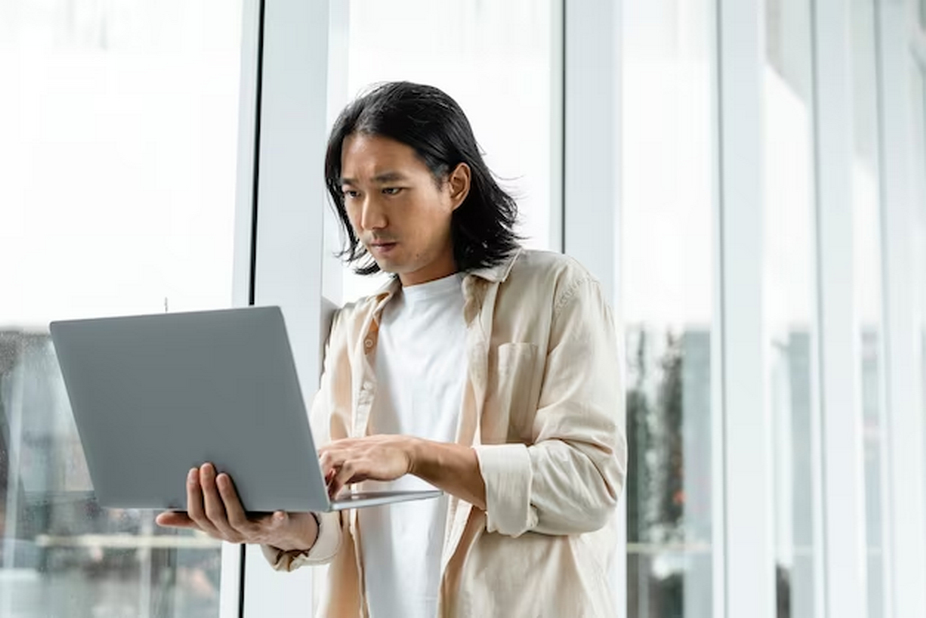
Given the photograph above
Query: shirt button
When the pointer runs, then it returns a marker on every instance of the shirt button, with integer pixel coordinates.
(368, 343)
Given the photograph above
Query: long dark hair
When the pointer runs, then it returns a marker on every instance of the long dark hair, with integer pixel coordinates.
(435, 127)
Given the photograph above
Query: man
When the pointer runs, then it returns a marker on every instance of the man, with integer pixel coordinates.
(488, 371)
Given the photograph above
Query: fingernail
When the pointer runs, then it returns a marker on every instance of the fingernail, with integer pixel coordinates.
(191, 475)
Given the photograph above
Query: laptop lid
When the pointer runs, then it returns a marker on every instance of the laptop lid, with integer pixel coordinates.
(156, 395)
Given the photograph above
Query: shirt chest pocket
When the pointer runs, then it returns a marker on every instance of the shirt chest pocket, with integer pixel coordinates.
(516, 368)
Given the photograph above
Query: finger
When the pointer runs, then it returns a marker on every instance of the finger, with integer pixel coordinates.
(277, 519)
(329, 460)
(194, 503)
(214, 505)
(337, 476)
(330, 472)
(175, 519)
(237, 517)
(351, 472)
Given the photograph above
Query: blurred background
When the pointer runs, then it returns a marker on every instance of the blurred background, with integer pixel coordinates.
(119, 161)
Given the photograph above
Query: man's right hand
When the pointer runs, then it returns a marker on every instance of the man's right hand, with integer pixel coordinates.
(214, 508)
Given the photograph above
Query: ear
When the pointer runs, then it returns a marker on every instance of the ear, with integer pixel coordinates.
(459, 182)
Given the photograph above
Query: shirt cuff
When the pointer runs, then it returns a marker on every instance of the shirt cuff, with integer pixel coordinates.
(506, 471)
(325, 547)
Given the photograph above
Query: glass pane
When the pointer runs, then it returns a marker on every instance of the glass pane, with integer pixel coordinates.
(868, 290)
(667, 244)
(788, 295)
(918, 88)
(119, 124)
(658, 584)
(497, 62)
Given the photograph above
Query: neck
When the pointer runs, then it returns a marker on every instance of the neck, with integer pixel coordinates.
(438, 269)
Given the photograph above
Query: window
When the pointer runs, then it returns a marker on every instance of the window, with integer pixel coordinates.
(918, 89)
(117, 192)
(918, 112)
(788, 295)
(868, 289)
(497, 61)
(667, 274)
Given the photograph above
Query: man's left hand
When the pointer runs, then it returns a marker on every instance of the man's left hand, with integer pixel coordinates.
(453, 468)
(373, 458)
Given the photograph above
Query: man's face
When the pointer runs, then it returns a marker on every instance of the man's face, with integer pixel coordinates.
(398, 211)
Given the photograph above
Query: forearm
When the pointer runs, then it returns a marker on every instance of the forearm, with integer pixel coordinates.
(454, 468)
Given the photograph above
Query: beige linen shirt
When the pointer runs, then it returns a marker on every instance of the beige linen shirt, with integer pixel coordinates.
(543, 408)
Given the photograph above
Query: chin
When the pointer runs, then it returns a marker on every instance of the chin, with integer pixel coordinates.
(388, 266)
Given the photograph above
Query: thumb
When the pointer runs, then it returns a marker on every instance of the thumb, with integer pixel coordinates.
(174, 519)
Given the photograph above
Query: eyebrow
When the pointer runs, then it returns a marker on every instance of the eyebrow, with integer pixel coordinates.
(378, 179)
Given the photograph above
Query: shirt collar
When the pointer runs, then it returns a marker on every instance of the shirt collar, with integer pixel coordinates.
(498, 273)
(493, 274)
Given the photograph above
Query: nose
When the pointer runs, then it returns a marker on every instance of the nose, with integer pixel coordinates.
(372, 215)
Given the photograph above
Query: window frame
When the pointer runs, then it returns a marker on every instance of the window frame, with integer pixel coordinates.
(278, 248)
(906, 535)
(283, 120)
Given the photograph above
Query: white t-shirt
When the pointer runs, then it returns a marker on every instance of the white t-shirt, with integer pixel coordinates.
(421, 373)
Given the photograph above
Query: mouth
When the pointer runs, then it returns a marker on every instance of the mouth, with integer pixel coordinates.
(382, 248)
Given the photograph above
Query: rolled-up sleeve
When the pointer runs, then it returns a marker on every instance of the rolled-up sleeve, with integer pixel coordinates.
(322, 552)
(570, 478)
(506, 470)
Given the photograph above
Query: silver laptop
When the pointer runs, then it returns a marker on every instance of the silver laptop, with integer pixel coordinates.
(154, 396)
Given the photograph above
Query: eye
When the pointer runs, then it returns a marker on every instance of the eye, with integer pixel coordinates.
(350, 193)
(392, 190)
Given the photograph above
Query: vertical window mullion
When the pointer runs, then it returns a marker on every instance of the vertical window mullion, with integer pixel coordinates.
(288, 240)
(749, 553)
(905, 491)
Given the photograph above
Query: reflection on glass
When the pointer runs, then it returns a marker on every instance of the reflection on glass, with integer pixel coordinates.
(667, 287)
(63, 554)
(868, 290)
(788, 295)
(669, 482)
(118, 153)
(496, 60)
